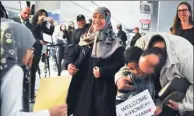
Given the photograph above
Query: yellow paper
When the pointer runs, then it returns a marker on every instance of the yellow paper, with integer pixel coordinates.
(52, 92)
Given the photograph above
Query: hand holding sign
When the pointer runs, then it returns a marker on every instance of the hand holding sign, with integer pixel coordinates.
(59, 110)
(157, 111)
(138, 105)
(122, 84)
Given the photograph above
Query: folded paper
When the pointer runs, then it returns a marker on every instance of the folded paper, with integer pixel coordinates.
(52, 92)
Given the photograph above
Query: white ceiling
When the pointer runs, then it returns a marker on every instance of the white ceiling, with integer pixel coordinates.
(125, 12)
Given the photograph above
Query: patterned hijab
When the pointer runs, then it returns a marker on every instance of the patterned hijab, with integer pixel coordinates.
(13, 43)
(8, 51)
(105, 42)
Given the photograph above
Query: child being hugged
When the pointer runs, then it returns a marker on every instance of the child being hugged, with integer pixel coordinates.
(136, 80)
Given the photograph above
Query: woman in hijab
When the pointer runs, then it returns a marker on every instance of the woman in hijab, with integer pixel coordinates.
(93, 64)
(16, 50)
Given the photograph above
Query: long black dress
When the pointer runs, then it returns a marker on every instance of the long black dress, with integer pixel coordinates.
(89, 96)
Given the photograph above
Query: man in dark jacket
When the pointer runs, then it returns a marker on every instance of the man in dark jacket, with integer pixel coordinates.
(23, 18)
(82, 28)
(70, 30)
(121, 34)
(136, 37)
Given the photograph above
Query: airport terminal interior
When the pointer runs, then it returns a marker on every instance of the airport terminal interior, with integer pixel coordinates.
(144, 16)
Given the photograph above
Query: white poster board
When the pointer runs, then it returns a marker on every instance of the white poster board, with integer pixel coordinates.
(47, 38)
(138, 105)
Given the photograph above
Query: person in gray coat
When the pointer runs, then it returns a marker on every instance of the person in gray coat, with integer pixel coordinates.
(178, 62)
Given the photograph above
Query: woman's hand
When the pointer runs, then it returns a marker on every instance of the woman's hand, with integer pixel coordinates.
(30, 61)
(122, 84)
(72, 69)
(172, 104)
(59, 110)
(96, 72)
(41, 19)
(158, 111)
(28, 57)
(49, 19)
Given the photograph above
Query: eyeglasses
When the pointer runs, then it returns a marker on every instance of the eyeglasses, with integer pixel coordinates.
(182, 10)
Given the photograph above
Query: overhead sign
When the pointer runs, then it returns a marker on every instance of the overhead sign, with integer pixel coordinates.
(138, 105)
(146, 8)
(145, 21)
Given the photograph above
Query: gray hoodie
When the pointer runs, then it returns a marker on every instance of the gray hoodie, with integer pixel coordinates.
(179, 63)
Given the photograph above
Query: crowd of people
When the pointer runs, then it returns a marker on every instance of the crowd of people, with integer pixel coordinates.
(104, 71)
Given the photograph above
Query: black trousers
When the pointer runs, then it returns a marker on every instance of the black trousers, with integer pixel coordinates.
(63, 50)
(34, 69)
(60, 58)
(26, 89)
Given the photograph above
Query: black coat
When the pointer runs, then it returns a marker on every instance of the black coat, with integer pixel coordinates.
(134, 39)
(87, 95)
(38, 34)
(65, 34)
(122, 35)
(77, 34)
(69, 37)
(28, 24)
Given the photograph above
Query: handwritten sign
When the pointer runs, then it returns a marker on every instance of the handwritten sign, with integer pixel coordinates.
(138, 105)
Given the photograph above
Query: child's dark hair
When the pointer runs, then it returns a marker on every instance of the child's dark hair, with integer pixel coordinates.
(154, 39)
(132, 54)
